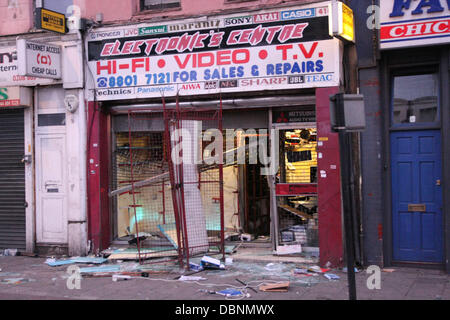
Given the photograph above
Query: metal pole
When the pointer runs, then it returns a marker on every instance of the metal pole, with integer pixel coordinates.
(345, 152)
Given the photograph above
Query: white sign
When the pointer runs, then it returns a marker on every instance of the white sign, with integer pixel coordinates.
(39, 59)
(407, 23)
(15, 97)
(9, 71)
(267, 50)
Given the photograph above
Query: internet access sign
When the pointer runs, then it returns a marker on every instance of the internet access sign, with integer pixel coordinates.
(50, 20)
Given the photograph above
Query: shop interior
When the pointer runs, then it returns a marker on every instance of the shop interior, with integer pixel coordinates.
(246, 192)
(297, 213)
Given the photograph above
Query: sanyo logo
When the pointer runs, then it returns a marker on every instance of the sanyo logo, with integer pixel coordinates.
(419, 7)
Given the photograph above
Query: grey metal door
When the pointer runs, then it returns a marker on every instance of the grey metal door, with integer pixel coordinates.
(12, 180)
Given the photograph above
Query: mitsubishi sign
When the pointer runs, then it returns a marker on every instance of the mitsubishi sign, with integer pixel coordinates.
(39, 59)
(408, 23)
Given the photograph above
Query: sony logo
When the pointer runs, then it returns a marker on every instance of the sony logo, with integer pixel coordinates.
(428, 6)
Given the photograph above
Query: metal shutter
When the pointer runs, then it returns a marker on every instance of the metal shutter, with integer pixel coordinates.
(12, 180)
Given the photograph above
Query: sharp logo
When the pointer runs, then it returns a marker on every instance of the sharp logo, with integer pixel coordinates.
(263, 81)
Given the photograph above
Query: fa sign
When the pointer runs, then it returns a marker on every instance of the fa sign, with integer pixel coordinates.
(430, 6)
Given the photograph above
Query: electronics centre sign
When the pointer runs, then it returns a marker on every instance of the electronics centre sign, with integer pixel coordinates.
(266, 50)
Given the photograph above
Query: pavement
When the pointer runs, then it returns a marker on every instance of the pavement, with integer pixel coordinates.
(29, 278)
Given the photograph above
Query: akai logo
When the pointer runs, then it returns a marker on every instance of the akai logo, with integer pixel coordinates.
(423, 6)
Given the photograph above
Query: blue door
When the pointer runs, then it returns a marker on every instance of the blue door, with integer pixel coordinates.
(416, 196)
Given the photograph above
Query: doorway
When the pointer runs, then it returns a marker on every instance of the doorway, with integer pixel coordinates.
(417, 196)
(296, 187)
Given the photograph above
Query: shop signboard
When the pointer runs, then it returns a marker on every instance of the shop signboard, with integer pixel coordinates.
(289, 48)
(407, 23)
(9, 71)
(15, 97)
(50, 20)
(294, 115)
(41, 60)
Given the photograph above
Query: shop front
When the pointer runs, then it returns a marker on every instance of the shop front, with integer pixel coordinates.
(270, 75)
(414, 43)
(42, 201)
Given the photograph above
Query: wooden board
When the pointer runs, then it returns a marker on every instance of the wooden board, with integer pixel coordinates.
(275, 287)
(294, 211)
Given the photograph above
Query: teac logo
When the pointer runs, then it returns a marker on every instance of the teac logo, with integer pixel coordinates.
(428, 6)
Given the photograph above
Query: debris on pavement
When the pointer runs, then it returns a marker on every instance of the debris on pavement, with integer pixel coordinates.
(211, 263)
(11, 252)
(145, 253)
(120, 277)
(247, 237)
(388, 270)
(230, 292)
(331, 276)
(195, 266)
(318, 269)
(274, 267)
(191, 278)
(9, 274)
(228, 261)
(303, 273)
(275, 287)
(83, 260)
(110, 268)
(16, 280)
(345, 270)
(246, 285)
(288, 249)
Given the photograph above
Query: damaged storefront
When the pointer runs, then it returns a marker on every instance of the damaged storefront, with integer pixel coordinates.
(257, 83)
